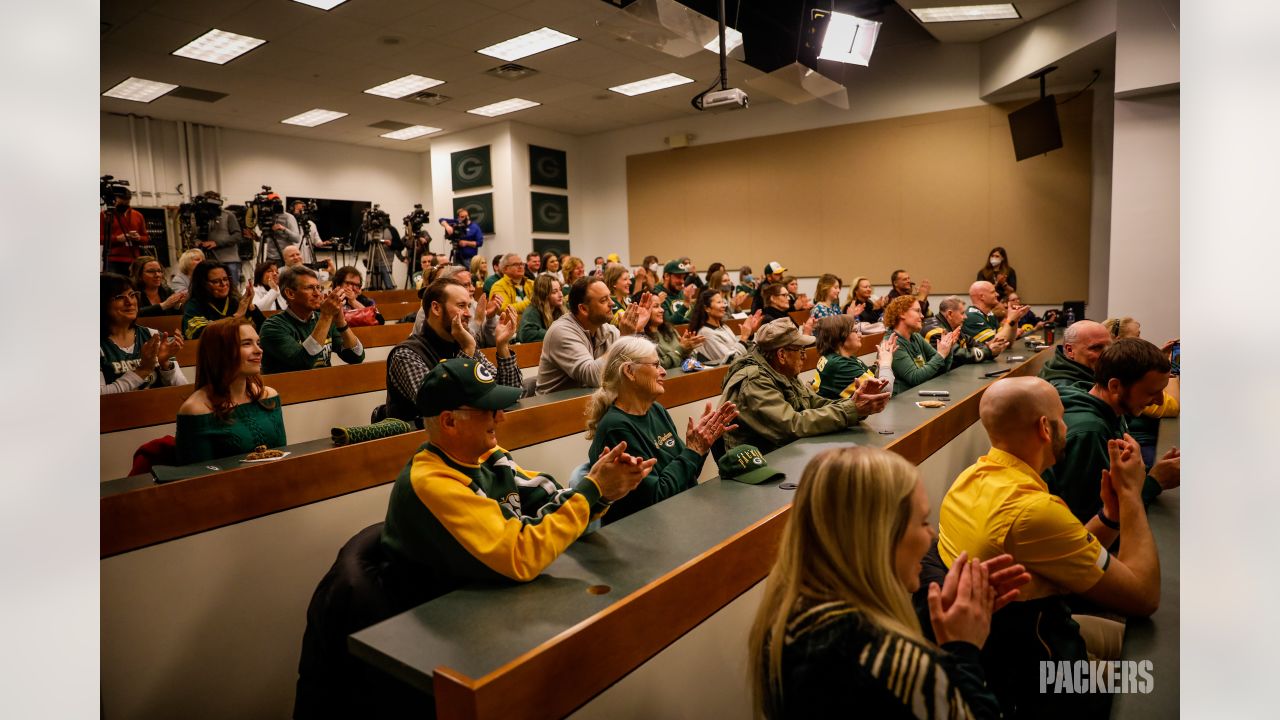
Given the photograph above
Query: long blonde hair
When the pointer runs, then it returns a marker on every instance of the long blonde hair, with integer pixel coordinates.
(850, 511)
(626, 349)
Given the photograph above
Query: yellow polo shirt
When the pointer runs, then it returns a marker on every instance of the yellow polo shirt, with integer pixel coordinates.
(1000, 505)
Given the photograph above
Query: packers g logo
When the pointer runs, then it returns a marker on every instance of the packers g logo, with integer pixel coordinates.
(549, 213)
(469, 168)
(483, 373)
(757, 460)
(549, 167)
(919, 360)
(667, 440)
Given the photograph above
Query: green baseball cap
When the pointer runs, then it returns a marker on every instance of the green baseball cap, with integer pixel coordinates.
(745, 464)
(675, 267)
(457, 382)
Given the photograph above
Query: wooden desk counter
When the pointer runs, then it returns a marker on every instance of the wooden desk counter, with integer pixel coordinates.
(727, 537)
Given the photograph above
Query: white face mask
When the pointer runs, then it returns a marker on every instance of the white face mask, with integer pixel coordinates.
(655, 268)
(995, 261)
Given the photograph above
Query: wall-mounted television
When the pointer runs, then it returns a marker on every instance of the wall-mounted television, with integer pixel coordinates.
(1035, 128)
(336, 218)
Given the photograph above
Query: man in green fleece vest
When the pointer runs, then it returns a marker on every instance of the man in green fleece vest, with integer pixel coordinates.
(304, 334)
(463, 511)
(1130, 374)
(915, 361)
(1073, 362)
(980, 323)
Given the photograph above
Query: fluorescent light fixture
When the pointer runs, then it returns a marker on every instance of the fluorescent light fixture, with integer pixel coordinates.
(849, 39)
(661, 82)
(962, 13)
(406, 85)
(530, 43)
(322, 4)
(139, 90)
(218, 47)
(312, 118)
(732, 38)
(504, 107)
(411, 132)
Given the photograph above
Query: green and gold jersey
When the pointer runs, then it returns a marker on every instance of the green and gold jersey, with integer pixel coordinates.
(838, 376)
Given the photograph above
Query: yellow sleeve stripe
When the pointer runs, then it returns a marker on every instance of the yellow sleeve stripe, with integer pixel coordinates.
(985, 335)
(505, 545)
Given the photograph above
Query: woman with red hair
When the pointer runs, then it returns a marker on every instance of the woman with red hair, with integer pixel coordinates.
(231, 412)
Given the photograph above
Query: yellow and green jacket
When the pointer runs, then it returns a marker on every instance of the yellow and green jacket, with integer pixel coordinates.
(488, 521)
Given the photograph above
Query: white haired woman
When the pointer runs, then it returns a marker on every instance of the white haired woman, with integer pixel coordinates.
(836, 634)
(626, 408)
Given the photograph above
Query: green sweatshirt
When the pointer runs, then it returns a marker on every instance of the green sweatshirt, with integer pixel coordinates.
(677, 312)
(1062, 372)
(652, 435)
(979, 326)
(531, 329)
(284, 346)
(1077, 477)
(670, 352)
(837, 374)
(915, 361)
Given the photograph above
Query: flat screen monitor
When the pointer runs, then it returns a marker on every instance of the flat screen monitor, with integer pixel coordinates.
(336, 218)
(1035, 128)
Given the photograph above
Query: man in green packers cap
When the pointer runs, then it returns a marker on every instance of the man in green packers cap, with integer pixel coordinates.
(746, 464)
(463, 510)
(680, 297)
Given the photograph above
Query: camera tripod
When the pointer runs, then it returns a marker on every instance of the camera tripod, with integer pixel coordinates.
(377, 262)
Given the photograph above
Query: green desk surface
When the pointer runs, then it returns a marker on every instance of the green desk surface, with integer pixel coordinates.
(478, 629)
(1156, 638)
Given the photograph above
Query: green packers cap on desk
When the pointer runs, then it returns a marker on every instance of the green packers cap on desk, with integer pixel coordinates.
(457, 382)
(745, 464)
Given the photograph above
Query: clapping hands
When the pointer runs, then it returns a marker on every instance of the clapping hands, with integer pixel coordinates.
(701, 436)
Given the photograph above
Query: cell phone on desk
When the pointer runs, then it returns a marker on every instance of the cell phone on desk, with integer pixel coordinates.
(996, 373)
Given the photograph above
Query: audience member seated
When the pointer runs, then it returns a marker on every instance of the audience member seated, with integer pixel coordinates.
(213, 298)
(1145, 426)
(532, 265)
(797, 299)
(1030, 322)
(672, 346)
(513, 287)
(479, 272)
(618, 279)
(463, 511)
(835, 634)
(484, 311)
(642, 281)
(692, 277)
(720, 343)
(292, 257)
(154, 297)
(776, 407)
(872, 311)
(494, 276)
(444, 334)
(900, 282)
(546, 306)
(950, 315)
(1130, 374)
(132, 357)
(980, 323)
(719, 281)
(998, 272)
(777, 302)
(311, 329)
(915, 361)
(1000, 505)
(426, 263)
(354, 301)
(573, 348)
(231, 411)
(680, 296)
(266, 287)
(840, 372)
(1073, 361)
(572, 268)
(551, 266)
(187, 263)
(744, 294)
(772, 275)
(827, 297)
(625, 411)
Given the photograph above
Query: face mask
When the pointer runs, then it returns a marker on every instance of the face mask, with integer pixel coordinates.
(655, 268)
(995, 262)
(748, 278)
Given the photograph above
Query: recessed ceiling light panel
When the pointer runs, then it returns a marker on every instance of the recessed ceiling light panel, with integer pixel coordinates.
(406, 85)
(528, 44)
(963, 13)
(504, 107)
(139, 90)
(411, 132)
(653, 84)
(218, 47)
(312, 118)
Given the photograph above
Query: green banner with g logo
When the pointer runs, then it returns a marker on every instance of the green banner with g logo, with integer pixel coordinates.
(471, 168)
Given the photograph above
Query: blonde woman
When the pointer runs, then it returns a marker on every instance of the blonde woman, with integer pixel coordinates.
(836, 634)
(479, 270)
(572, 268)
(546, 306)
(187, 262)
(626, 408)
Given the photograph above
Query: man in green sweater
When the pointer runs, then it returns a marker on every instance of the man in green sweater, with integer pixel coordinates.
(1130, 374)
(950, 316)
(980, 323)
(680, 297)
(915, 361)
(304, 334)
(1073, 362)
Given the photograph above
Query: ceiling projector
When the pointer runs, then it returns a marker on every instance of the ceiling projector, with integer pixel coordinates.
(723, 101)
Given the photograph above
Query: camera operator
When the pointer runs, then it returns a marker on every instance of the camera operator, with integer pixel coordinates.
(465, 235)
(283, 230)
(125, 227)
(417, 241)
(223, 240)
(301, 211)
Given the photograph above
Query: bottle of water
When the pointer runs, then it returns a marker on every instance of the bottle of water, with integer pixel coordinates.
(1071, 316)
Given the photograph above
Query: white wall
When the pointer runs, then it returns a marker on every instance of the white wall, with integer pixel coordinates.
(1100, 199)
(1146, 45)
(1013, 55)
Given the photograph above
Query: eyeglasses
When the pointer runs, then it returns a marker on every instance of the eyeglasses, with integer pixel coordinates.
(353, 283)
(312, 288)
(654, 363)
(129, 296)
(797, 349)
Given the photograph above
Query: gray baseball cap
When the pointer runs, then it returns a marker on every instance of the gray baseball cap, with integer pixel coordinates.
(781, 333)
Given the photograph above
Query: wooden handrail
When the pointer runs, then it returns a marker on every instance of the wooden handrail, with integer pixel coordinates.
(159, 513)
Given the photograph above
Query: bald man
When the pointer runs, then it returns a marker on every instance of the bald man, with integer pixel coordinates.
(1000, 505)
(980, 323)
(1073, 361)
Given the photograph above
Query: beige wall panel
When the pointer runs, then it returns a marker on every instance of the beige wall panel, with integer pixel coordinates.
(929, 192)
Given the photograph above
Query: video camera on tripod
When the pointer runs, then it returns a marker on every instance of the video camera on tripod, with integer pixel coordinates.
(194, 218)
(110, 188)
(375, 219)
(261, 213)
(416, 238)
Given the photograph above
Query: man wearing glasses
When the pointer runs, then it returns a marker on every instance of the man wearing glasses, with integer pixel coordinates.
(774, 406)
(462, 510)
(304, 334)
